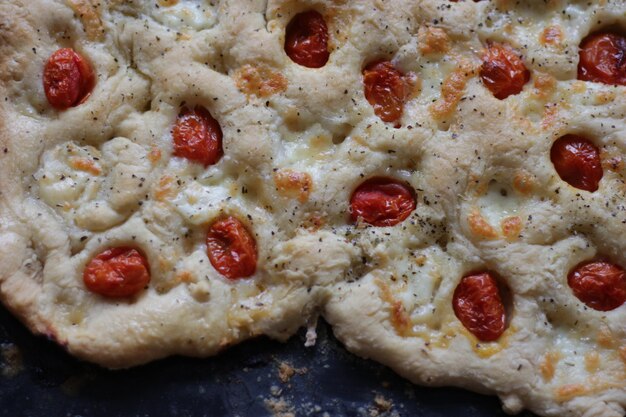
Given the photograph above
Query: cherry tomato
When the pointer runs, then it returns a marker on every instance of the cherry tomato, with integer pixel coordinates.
(67, 79)
(600, 285)
(382, 201)
(198, 136)
(117, 273)
(385, 89)
(478, 305)
(577, 161)
(502, 71)
(231, 248)
(603, 59)
(306, 40)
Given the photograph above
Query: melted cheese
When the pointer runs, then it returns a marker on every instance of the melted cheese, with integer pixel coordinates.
(185, 14)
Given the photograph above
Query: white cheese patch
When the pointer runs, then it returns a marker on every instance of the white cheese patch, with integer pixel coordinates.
(423, 290)
(500, 202)
(199, 203)
(60, 183)
(186, 14)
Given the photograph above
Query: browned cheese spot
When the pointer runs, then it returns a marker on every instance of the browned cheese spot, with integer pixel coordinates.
(165, 188)
(605, 337)
(85, 164)
(154, 155)
(260, 81)
(452, 90)
(399, 317)
(550, 116)
(592, 361)
(89, 15)
(567, 392)
(480, 227)
(432, 40)
(605, 97)
(544, 84)
(551, 35)
(548, 366)
(185, 277)
(511, 227)
(293, 184)
(523, 182)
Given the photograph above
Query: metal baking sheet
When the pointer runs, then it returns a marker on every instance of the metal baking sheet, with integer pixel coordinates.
(39, 378)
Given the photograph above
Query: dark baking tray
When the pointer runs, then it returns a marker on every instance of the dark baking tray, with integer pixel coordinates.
(242, 381)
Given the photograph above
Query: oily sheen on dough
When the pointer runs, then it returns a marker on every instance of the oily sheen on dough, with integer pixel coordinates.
(102, 174)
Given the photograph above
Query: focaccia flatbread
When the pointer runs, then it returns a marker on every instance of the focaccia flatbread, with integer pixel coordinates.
(442, 181)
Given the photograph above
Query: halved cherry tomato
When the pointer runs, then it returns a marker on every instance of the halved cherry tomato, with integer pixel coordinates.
(503, 72)
(306, 40)
(603, 58)
(577, 161)
(67, 79)
(382, 201)
(478, 305)
(231, 248)
(198, 136)
(117, 273)
(600, 285)
(385, 89)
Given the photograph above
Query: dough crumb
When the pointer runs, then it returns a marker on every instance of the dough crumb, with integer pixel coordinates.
(279, 407)
(311, 334)
(381, 407)
(11, 360)
(286, 371)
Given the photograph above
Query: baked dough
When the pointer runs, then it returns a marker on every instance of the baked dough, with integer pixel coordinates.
(101, 174)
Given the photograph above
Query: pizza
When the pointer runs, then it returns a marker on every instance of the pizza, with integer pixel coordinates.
(442, 181)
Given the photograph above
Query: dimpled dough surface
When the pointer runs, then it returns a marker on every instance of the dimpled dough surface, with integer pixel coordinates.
(386, 290)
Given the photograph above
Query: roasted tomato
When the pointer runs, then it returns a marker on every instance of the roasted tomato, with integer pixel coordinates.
(231, 248)
(198, 136)
(67, 79)
(603, 59)
(306, 40)
(600, 285)
(478, 305)
(577, 161)
(382, 201)
(117, 273)
(502, 71)
(385, 89)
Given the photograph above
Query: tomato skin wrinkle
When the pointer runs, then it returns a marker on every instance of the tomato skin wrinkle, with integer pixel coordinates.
(68, 79)
(577, 161)
(198, 136)
(385, 89)
(602, 59)
(306, 40)
(478, 305)
(231, 248)
(502, 71)
(118, 272)
(382, 201)
(601, 285)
